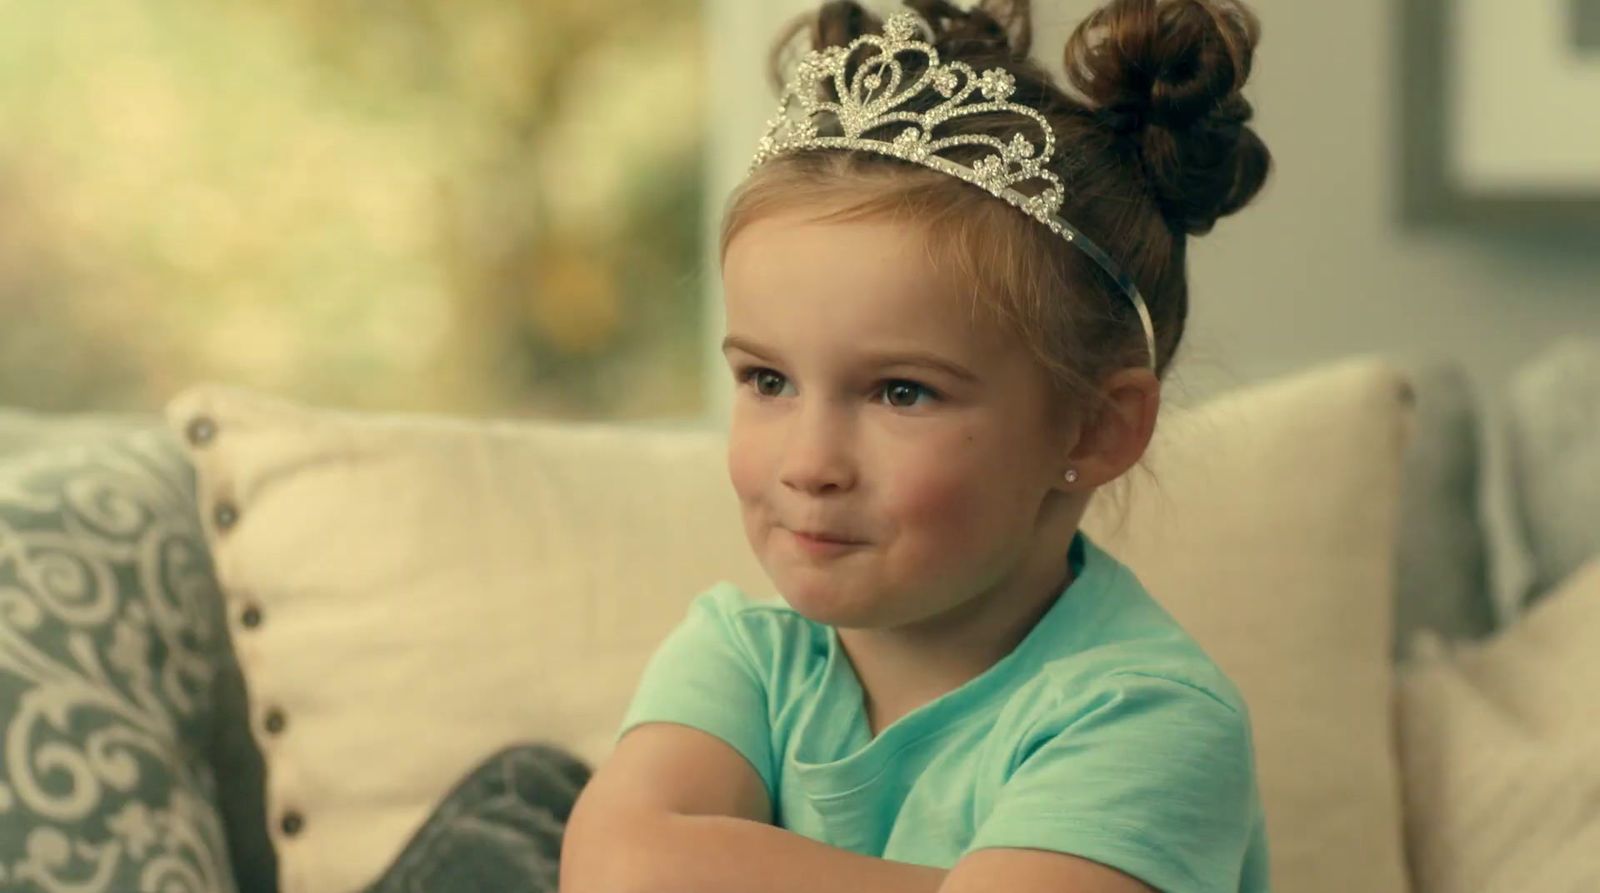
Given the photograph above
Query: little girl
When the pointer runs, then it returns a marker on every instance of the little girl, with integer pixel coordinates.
(952, 290)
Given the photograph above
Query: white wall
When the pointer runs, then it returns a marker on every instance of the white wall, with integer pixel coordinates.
(1319, 266)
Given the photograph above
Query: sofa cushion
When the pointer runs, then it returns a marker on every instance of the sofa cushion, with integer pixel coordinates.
(424, 592)
(109, 642)
(410, 595)
(1498, 742)
(1555, 445)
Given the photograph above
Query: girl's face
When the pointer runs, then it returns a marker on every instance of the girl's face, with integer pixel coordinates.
(890, 455)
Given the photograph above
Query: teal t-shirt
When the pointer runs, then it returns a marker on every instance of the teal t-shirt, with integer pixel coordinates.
(1106, 733)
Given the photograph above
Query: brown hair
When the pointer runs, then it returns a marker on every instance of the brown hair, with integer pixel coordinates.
(1156, 150)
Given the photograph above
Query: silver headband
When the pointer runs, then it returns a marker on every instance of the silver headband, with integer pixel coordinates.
(864, 107)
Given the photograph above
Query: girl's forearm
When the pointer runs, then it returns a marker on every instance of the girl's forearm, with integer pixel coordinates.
(719, 854)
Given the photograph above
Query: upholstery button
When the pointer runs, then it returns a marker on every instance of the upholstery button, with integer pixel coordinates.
(250, 616)
(275, 722)
(292, 823)
(225, 515)
(202, 430)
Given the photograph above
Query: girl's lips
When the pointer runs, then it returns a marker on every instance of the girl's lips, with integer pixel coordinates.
(822, 546)
(826, 537)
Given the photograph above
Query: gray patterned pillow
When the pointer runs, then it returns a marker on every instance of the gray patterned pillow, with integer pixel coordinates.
(110, 630)
(1442, 574)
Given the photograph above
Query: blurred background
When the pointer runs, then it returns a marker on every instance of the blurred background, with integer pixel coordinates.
(504, 207)
(479, 206)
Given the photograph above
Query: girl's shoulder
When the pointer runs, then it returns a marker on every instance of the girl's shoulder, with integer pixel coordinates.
(726, 603)
(765, 628)
(1121, 634)
(1157, 675)
(1118, 646)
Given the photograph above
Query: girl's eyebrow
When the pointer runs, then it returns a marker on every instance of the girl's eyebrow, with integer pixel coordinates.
(922, 358)
(750, 347)
(890, 358)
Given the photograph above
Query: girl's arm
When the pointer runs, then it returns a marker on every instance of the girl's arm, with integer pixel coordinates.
(1036, 871)
(676, 810)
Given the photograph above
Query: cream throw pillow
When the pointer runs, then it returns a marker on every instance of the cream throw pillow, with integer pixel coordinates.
(423, 591)
(1499, 740)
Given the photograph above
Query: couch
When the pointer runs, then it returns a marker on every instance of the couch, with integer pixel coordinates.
(250, 644)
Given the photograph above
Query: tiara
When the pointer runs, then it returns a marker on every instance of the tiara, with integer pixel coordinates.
(871, 98)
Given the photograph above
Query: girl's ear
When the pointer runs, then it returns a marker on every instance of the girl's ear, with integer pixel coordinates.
(1114, 437)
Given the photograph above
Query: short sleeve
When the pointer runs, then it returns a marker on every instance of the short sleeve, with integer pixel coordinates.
(708, 674)
(1151, 776)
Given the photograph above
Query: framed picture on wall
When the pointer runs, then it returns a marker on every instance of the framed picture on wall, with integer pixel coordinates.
(1500, 110)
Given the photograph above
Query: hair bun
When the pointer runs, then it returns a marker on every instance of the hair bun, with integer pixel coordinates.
(1166, 74)
(837, 22)
(992, 28)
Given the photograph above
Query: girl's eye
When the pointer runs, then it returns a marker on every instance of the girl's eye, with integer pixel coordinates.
(903, 393)
(766, 382)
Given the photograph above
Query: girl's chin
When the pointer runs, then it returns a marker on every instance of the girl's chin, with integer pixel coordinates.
(831, 602)
(833, 616)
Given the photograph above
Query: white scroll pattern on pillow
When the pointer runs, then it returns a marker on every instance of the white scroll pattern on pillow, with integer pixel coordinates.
(108, 626)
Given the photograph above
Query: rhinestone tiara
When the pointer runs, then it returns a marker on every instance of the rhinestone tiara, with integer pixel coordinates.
(872, 98)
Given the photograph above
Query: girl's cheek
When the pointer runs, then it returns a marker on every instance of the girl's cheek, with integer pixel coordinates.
(745, 465)
(939, 498)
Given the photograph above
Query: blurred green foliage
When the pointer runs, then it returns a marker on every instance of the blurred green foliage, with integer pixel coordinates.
(459, 205)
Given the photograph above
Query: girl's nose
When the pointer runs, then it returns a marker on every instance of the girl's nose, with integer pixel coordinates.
(817, 456)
